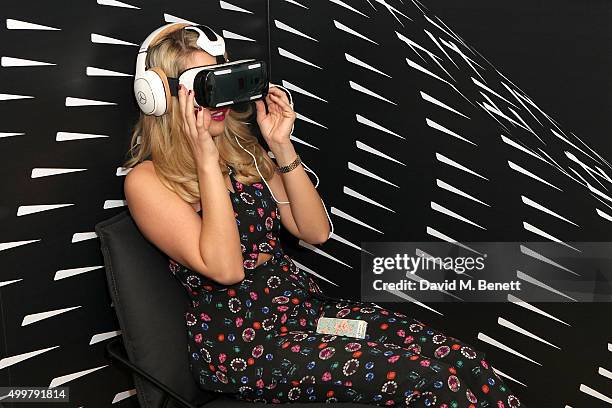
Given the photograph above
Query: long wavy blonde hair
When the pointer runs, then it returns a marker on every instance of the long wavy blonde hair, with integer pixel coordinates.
(163, 139)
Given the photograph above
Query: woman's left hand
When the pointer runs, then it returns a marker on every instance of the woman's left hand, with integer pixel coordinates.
(275, 126)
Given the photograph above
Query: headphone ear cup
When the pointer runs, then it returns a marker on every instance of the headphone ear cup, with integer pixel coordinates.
(152, 92)
(164, 91)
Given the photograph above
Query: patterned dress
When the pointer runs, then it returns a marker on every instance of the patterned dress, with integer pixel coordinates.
(256, 339)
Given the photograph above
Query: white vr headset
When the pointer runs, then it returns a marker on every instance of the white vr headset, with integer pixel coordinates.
(222, 84)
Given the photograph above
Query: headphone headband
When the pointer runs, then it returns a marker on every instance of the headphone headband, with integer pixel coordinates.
(151, 87)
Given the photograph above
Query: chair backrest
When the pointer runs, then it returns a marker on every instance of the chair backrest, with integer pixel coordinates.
(150, 304)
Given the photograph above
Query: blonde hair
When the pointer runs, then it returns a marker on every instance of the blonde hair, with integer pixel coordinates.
(163, 138)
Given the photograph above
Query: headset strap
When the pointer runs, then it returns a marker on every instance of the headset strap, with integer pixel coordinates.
(173, 83)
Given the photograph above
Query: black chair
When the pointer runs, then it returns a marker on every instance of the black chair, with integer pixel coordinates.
(150, 304)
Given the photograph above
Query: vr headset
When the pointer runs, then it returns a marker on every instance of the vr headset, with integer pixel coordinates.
(222, 84)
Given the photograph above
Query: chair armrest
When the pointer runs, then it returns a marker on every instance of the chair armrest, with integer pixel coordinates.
(116, 349)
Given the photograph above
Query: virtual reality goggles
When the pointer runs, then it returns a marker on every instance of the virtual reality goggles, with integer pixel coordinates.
(222, 84)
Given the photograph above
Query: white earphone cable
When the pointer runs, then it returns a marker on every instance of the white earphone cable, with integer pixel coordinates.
(306, 168)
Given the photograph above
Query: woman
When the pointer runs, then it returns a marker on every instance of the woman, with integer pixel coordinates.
(252, 320)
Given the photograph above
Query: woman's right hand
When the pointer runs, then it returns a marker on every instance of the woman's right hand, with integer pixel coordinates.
(196, 122)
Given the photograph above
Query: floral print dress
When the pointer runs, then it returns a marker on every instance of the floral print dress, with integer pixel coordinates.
(256, 339)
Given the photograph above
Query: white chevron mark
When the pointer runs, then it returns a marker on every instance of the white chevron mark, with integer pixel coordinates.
(12, 24)
(433, 100)
(102, 39)
(393, 10)
(9, 361)
(68, 273)
(169, 18)
(310, 271)
(361, 170)
(604, 372)
(6, 134)
(505, 323)
(298, 140)
(487, 339)
(19, 62)
(344, 215)
(356, 61)
(233, 36)
(57, 381)
(8, 245)
(120, 396)
(529, 306)
(296, 88)
(65, 136)
(592, 151)
(35, 317)
(546, 235)
(93, 71)
(435, 233)
(304, 118)
(531, 203)
(604, 174)
(115, 3)
(6, 283)
(534, 281)
(343, 4)
(603, 214)
(114, 204)
(455, 190)
(592, 172)
(49, 171)
(610, 347)
(369, 149)
(86, 102)
(450, 34)
(520, 169)
(97, 338)
(507, 376)
(404, 296)
(414, 46)
(441, 128)
(349, 30)
(31, 209)
(514, 93)
(83, 236)
(599, 193)
(436, 260)
(10, 97)
(486, 88)
(542, 258)
(594, 393)
(283, 52)
(348, 243)
(368, 122)
(228, 6)
(282, 26)
(437, 207)
(350, 192)
(448, 57)
(443, 159)
(573, 145)
(366, 91)
(296, 3)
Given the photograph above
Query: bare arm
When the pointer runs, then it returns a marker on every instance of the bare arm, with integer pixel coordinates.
(305, 215)
(208, 245)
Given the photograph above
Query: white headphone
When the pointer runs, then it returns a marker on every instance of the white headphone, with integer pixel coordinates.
(151, 88)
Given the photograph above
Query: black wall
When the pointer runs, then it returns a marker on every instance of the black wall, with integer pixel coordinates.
(553, 53)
